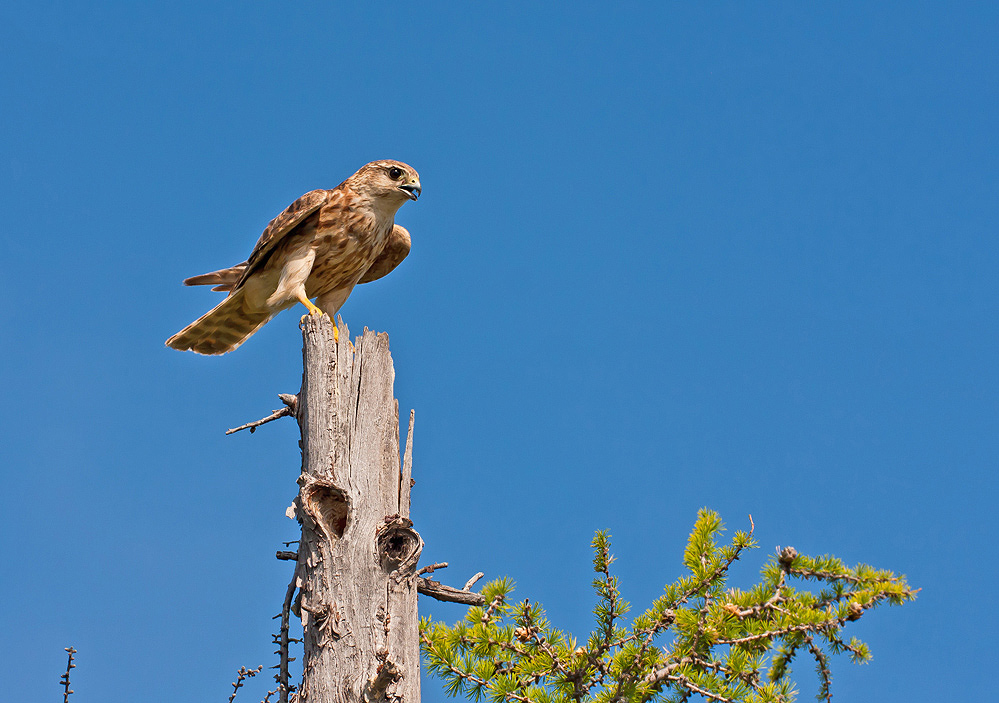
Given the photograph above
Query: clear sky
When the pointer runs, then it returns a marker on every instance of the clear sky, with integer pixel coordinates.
(668, 255)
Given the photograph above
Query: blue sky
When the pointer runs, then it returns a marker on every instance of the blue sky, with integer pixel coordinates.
(668, 255)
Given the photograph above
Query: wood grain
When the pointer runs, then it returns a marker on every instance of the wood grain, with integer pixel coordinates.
(358, 554)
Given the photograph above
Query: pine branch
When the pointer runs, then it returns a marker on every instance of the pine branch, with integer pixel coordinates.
(512, 653)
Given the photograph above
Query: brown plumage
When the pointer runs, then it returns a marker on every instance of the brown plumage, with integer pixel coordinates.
(320, 247)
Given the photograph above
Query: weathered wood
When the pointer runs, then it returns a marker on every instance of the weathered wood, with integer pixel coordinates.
(358, 553)
(448, 594)
(407, 466)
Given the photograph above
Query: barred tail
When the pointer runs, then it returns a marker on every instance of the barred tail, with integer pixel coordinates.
(221, 329)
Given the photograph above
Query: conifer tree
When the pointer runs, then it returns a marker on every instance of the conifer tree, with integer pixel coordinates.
(698, 639)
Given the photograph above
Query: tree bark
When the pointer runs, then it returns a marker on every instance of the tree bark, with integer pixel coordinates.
(358, 553)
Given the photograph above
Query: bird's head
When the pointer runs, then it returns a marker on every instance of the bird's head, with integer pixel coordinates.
(391, 181)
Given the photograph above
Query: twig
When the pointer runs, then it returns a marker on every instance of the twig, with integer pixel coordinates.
(290, 408)
(784, 631)
(689, 685)
(65, 677)
(788, 554)
(242, 675)
(822, 667)
(466, 676)
(665, 673)
(283, 639)
(838, 642)
(534, 633)
(252, 426)
(759, 608)
(472, 581)
(607, 590)
(432, 568)
(448, 594)
(825, 576)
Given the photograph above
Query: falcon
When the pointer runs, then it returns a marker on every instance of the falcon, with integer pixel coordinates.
(321, 246)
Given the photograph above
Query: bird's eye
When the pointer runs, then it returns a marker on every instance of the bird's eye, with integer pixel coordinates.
(395, 173)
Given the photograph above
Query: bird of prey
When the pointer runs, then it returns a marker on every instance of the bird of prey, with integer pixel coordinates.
(320, 247)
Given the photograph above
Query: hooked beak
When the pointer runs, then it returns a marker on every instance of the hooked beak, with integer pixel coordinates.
(412, 190)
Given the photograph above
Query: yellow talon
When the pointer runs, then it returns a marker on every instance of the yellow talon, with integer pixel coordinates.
(313, 310)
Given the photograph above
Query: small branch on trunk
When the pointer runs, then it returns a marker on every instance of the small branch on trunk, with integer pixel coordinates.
(290, 408)
(286, 556)
(432, 568)
(448, 594)
(472, 581)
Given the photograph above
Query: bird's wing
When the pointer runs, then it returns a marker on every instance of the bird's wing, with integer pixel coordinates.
(396, 249)
(281, 226)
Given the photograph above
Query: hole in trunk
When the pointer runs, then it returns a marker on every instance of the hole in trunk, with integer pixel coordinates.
(329, 507)
(398, 543)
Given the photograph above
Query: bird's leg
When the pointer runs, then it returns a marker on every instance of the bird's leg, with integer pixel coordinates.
(313, 310)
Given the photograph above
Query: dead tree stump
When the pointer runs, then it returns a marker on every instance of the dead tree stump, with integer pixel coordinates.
(358, 554)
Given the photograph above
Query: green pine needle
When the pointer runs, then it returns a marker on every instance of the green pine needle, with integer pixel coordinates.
(700, 637)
